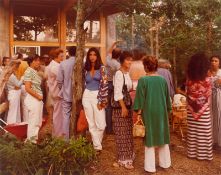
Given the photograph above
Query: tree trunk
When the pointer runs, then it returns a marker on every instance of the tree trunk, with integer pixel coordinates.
(91, 31)
(36, 30)
(151, 38)
(132, 31)
(157, 40)
(209, 37)
(77, 77)
(174, 67)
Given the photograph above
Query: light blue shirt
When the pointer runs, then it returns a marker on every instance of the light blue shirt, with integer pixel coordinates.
(64, 79)
(13, 82)
(92, 83)
(112, 66)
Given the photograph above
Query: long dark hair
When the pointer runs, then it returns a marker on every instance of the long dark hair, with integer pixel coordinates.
(98, 62)
(198, 67)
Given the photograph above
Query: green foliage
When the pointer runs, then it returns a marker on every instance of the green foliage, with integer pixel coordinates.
(27, 26)
(188, 26)
(52, 156)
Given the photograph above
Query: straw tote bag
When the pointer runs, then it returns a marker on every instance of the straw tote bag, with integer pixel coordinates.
(139, 129)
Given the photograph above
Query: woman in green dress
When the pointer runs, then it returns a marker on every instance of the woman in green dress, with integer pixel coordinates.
(152, 101)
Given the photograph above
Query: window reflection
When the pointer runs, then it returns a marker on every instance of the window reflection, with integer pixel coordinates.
(35, 27)
(93, 31)
(71, 26)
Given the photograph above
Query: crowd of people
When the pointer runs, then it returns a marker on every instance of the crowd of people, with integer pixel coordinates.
(38, 80)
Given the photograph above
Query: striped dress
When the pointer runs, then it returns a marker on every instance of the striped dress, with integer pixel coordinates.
(199, 131)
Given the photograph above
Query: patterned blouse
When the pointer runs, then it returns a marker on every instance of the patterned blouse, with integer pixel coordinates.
(103, 87)
(198, 96)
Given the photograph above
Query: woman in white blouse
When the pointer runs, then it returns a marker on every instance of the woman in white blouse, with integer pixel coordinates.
(122, 117)
(215, 73)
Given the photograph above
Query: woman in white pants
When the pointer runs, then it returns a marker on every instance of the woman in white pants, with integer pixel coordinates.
(152, 102)
(14, 95)
(95, 96)
(33, 100)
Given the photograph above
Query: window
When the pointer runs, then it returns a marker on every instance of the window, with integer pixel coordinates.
(93, 32)
(35, 23)
(93, 25)
(27, 50)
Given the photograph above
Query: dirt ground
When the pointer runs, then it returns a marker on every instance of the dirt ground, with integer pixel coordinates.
(181, 165)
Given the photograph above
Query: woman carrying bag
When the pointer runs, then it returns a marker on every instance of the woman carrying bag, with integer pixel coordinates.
(122, 113)
(152, 101)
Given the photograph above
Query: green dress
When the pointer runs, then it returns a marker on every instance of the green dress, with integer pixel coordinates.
(152, 97)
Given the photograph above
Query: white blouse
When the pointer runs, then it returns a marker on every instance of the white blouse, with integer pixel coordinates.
(216, 77)
(118, 83)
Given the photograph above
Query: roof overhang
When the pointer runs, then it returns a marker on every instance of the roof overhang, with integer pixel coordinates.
(107, 7)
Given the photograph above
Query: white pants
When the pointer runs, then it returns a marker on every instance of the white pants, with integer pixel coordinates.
(96, 118)
(14, 113)
(24, 108)
(164, 158)
(35, 109)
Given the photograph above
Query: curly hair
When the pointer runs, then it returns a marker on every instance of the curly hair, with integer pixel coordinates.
(150, 63)
(198, 67)
(98, 62)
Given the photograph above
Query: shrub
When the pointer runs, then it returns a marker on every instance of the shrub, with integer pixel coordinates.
(52, 156)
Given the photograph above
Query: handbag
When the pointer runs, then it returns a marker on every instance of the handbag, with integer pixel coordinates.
(139, 128)
(82, 124)
(126, 98)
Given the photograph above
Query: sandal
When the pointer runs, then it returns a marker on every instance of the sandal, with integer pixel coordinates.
(128, 166)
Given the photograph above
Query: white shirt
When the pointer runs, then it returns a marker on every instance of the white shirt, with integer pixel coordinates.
(118, 83)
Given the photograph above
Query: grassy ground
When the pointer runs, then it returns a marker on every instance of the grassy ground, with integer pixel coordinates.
(181, 165)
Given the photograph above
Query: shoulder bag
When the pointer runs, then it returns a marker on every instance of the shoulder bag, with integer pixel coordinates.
(126, 98)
